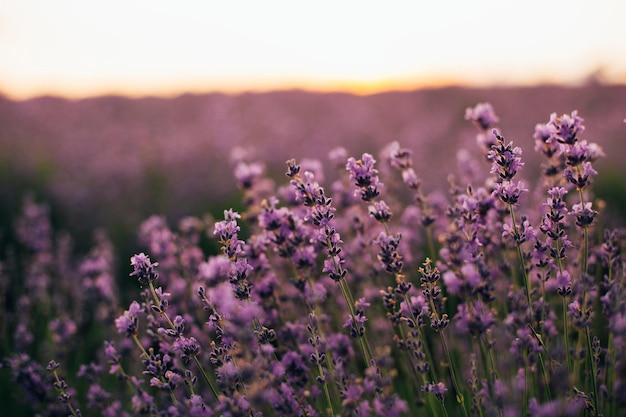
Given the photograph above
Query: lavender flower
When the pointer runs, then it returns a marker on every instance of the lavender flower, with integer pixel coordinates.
(127, 323)
(143, 269)
(564, 283)
(482, 115)
(506, 159)
(364, 175)
(584, 214)
(438, 389)
(567, 127)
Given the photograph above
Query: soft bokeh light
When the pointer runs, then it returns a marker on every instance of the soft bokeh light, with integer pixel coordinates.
(141, 47)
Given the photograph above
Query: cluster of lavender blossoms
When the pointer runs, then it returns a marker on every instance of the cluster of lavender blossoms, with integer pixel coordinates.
(354, 299)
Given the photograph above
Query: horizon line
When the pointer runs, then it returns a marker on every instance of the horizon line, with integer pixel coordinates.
(355, 87)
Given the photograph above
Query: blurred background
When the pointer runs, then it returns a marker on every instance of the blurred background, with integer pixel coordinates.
(113, 111)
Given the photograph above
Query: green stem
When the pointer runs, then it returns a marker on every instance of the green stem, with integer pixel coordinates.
(525, 393)
(431, 243)
(209, 382)
(568, 360)
(320, 369)
(363, 344)
(62, 392)
(592, 367)
(585, 235)
(457, 387)
(541, 362)
(522, 263)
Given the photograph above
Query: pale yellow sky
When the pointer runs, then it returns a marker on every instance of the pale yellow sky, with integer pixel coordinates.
(146, 47)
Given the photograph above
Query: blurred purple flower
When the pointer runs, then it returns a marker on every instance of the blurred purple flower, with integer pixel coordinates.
(564, 283)
(482, 115)
(127, 323)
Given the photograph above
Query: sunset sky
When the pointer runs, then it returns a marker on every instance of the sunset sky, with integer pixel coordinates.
(138, 47)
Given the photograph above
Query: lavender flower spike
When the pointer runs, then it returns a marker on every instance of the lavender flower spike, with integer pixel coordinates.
(143, 268)
(127, 323)
(482, 115)
(364, 175)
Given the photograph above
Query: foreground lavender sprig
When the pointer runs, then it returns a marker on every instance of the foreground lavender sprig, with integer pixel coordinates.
(321, 214)
(579, 156)
(145, 271)
(61, 386)
(439, 322)
(506, 162)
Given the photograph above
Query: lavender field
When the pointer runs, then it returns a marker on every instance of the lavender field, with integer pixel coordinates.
(445, 252)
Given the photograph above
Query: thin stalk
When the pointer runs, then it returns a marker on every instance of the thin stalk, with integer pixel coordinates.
(585, 236)
(493, 370)
(62, 391)
(320, 370)
(522, 263)
(541, 362)
(363, 344)
(329, 403)
(592, 367)
(431, 242)
(568, 360)
(611, 353)
(347, 296)
(209, 382)
(443, 408)
(525, 393)
(455, 382)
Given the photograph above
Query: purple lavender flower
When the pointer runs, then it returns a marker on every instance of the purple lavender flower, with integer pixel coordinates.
(564, 283)
(127, 323)
(399, 158)
(567, 127)
(333, 265)
(389, 257)
(143, 269)
(380, 211)
(482, 115)
(581, 175)
(227, 233)
(188, 346)
(247, 174)
(62, 330)
(584, 214)
(338, 156)
(544, 139)
(304, 257)
(33, 228)
(506, 159)
(356, 324)
(365, 176)
(475, 319)
(510, 192)
(522, 233)
(560, 407)
(581, 316)
(438, 389)
(214, 270)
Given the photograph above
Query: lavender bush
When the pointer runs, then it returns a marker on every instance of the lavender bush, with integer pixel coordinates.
(366, 296)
